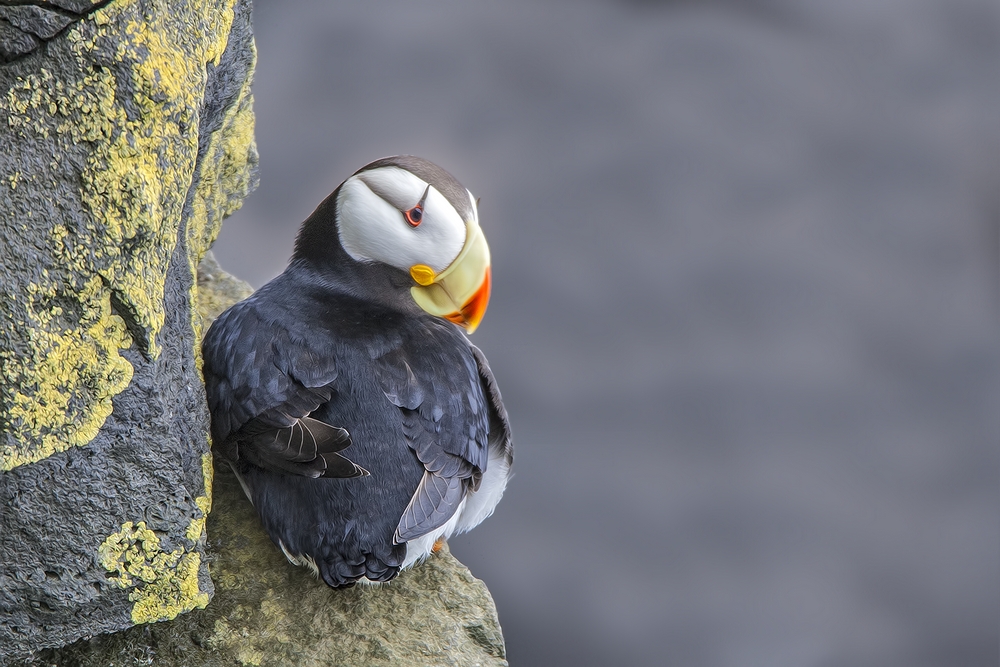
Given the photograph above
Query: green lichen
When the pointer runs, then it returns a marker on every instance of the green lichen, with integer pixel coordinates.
(164, 584)
(124, 125)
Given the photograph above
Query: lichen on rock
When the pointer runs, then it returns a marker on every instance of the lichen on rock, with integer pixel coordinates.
(127, 134)
(128, 137)
(132, 104)
(72, 371)
(164, 584)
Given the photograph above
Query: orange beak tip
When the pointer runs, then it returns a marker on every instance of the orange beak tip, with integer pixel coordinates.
(473, 310)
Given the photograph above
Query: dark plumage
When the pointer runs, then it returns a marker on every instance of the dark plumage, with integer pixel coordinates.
(356, 421)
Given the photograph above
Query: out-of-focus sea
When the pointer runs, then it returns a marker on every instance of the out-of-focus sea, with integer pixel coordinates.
(745, 312)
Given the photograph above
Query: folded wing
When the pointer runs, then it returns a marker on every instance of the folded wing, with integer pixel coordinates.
(262, 384)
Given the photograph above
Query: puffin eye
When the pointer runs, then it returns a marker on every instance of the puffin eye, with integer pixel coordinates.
(414, 215)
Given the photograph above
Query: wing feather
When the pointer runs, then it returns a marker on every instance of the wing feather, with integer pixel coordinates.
(262, 384)
(434, 502)
(447, 414)
(500, 439)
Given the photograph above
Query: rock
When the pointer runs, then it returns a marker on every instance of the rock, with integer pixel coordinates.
(268, 612)
(127, 134)
(217, 290)
(38, 21)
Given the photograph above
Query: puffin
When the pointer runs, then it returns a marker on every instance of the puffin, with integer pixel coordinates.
(361, 422)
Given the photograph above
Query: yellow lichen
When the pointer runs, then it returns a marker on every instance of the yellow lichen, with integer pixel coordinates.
(165, 583)
(61, 392)
(197, 526)
(220, 190)
(124, 125)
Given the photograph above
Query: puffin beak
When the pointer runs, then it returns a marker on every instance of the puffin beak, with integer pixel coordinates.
(461, 292)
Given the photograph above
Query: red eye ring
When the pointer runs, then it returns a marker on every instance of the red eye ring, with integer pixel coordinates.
(414, 215)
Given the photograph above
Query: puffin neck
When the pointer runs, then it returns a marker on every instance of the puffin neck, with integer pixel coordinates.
(318, 252)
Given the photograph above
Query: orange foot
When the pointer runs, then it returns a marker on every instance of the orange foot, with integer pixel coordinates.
(438, 545)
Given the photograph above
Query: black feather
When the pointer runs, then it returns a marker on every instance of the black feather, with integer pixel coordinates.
(432, 505)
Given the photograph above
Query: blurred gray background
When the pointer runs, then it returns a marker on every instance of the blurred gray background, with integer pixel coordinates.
(745, 315)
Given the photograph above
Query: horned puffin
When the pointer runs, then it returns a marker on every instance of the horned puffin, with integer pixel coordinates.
(345, 395)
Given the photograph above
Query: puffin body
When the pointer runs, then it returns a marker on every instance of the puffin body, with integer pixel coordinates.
(361, 422)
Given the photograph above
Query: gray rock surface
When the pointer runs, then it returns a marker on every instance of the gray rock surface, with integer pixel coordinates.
(126, 140)
(25, 26)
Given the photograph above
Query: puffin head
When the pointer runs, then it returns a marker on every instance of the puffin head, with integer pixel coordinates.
(403, 231)
(407, 213)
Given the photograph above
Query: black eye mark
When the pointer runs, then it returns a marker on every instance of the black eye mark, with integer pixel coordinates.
(416, 214)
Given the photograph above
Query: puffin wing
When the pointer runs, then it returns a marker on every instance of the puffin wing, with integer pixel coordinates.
(262, 383)
(434, 502)
(306, 447)
(446, 419)
(500, 439)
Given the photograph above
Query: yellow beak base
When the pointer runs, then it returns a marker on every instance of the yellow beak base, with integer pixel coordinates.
(461, 292)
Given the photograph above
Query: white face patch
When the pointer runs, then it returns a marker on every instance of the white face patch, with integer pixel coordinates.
(372, 227)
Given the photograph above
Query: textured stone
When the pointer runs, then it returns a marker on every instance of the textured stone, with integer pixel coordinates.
(217, 290)
(25, 26)
(78, 7)
(126, 141)
(267, 612)
(39, 21)
(15, 42)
